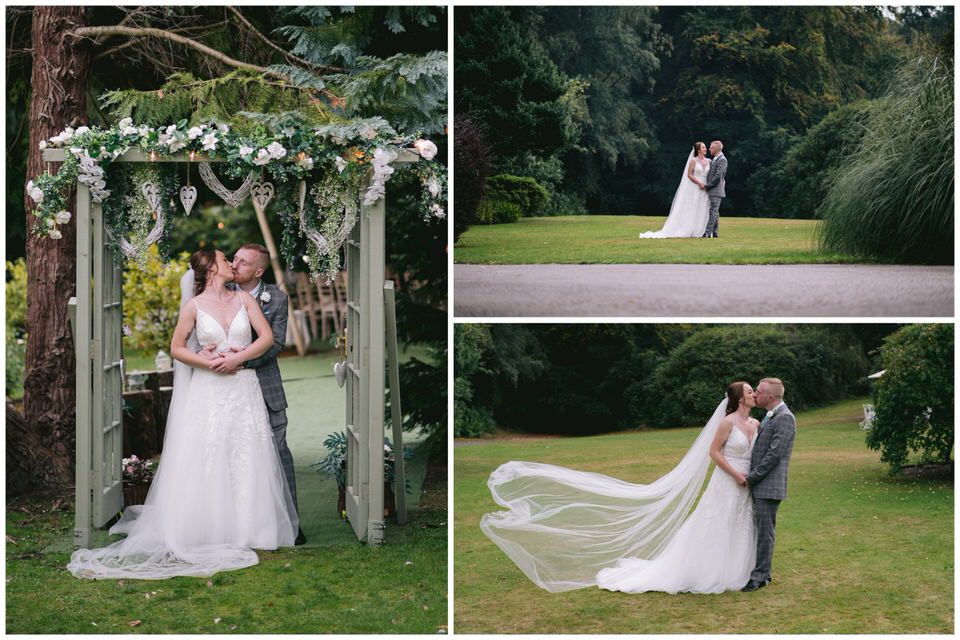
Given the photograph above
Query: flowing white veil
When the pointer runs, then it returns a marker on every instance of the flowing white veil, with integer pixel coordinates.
(688, 210)
(563, 526)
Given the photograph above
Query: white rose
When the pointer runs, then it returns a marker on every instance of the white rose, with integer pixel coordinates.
(425, 148)
(341, 164)
(433, 187)
(43, 145)
(34, 192)
(50, 223)
(55, 234)
(171, 129)
(143, 130)
(195, 132)
(245, 150)
(265, 296)
(82, 130)
(210, 142)
(176, 145)
(437, 210)
(129, 131)
(126, 122)
(263, 157)
(62, 217)
(58, 139)
(276, 150)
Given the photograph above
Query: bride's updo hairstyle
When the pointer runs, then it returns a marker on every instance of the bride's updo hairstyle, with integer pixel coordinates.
(201, 262)
(734, 395)
(696, 148)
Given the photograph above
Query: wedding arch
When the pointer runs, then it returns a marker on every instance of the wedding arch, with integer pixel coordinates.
(348, 164)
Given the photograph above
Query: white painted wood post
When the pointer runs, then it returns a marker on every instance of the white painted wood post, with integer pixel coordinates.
(396, 415)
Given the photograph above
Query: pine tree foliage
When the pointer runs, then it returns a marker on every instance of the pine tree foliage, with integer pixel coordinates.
(409, 90)
(221, 99)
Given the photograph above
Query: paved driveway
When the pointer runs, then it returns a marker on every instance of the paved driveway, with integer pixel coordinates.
(703, 291)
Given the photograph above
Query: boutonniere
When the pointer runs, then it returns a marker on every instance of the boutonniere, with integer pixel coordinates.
(264, 296)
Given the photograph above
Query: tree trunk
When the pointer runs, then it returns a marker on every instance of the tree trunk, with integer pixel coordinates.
(31, 466)
(59, 81)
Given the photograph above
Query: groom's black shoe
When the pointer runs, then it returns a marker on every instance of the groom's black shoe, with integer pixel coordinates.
(301, 539)
(753, 585)
(706, 235)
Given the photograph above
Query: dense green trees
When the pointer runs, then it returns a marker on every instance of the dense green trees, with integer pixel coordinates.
(592, 378)
(914, 398)
(785, 88)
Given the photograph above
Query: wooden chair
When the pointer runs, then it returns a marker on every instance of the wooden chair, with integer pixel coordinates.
(307, 302)
(327, 309)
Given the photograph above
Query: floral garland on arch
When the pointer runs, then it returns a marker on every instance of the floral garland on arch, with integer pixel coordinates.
(335, 155)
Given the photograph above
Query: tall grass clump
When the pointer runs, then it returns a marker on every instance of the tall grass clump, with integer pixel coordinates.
(893, 199)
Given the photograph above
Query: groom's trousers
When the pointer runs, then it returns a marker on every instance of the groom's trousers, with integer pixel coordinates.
(765, 516)
(278, 421)
(713, 222)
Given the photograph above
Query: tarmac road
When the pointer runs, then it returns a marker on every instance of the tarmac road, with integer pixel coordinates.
(703, 291)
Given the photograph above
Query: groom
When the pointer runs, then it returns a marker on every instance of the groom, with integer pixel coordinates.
(768, 473)
(249, 263)
(715, 188)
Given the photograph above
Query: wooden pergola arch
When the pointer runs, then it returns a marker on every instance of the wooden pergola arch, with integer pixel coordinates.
(97, 318)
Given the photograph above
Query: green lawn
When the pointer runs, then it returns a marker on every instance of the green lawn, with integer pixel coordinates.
(613, 240)
(331, 585)
(857, 551)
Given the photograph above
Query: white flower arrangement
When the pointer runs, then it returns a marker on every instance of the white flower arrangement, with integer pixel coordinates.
(264, 296)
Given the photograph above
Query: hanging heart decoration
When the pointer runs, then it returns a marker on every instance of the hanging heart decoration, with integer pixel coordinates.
(234, 198)
(152, 194)
(340, 372)
(188, 196)
(333, 207)
(262, 194)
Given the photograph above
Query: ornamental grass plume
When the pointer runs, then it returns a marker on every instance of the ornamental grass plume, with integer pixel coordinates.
(892, 199)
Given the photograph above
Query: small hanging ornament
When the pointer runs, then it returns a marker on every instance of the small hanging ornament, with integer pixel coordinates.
(188, 194)
(340, 366)
(262, 194)
(152, 194)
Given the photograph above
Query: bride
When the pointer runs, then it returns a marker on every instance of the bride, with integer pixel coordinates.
(219, 491)
(691, 204)
(569, 529)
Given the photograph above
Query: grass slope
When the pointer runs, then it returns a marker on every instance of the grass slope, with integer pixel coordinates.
(857, 552)
(613, 240)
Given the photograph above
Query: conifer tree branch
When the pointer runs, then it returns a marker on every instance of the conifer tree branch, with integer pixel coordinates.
(289, 55)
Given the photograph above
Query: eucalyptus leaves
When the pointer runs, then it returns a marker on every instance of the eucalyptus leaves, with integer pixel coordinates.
(334, 157)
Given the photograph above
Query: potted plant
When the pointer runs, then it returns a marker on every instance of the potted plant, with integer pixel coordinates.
(335, 464)
(137, 476)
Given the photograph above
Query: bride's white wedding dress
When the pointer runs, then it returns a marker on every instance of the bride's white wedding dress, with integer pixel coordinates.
(569, 529)
(715, 549)
(219, 491)
(690, 210)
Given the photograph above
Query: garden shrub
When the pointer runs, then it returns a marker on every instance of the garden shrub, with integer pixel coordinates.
(151, 302)
(816, 365)
(497, 212)
(472, 166)
(526, 193)
(914, 397)
(16, 330)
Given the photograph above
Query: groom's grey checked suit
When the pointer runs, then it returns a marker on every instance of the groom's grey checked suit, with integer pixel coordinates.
(768, 482)
(716, 184)
(268, 373)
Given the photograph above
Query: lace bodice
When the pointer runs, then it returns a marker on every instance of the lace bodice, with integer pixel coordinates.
(700, 171)
(738, 448)
(209, 331)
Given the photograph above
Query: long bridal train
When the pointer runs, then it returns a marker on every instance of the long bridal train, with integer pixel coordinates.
(569, 529)
(690, 209)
